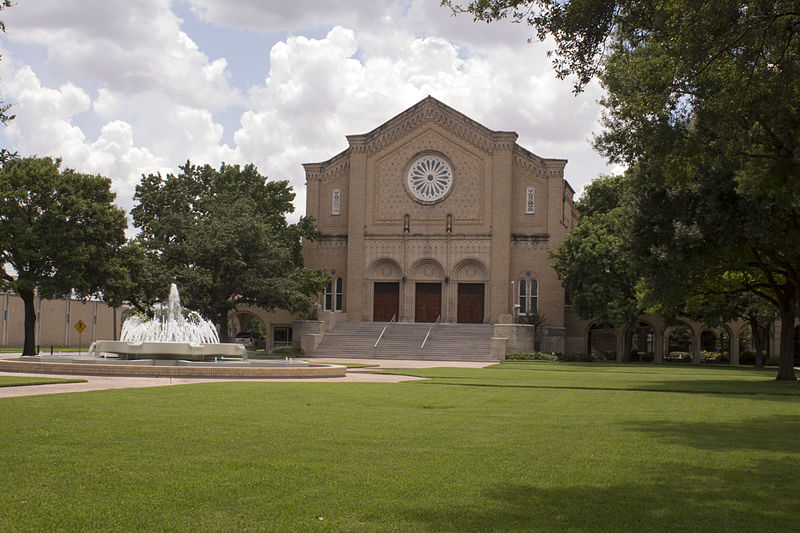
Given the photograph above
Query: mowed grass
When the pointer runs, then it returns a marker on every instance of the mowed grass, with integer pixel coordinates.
(486, 450)
(19, 381)
(610, 376)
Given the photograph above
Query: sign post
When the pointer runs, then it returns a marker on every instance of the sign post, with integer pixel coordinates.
(80, 326)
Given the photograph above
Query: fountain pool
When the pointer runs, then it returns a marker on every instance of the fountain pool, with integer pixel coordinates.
(170, 334)
(172, 344)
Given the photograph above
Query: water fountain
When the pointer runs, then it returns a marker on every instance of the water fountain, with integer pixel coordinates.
(171, 344)
(169, 335)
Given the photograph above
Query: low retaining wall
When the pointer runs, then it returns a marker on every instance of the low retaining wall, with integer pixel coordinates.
(92, 369)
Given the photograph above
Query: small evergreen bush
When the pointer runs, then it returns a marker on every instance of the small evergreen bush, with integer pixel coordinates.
(534, 356)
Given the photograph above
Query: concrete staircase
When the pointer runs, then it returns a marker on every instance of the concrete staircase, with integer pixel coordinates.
(446, 342)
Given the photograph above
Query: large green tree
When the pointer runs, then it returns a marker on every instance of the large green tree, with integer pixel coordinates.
(222, 236)
(594, 263)
(699, 95)
(59, 232)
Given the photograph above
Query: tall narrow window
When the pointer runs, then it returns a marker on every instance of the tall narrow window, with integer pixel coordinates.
(338, 294)
(333, 295)
(328, 305)
(533, 295)
(528, 296)
(336, 201)
(529, 205)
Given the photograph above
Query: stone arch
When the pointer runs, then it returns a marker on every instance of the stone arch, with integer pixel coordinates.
(385, 269)
(643, 341)
(679, 342)
(526, 289)
(244, 320)
(427, 270)
(383, 296)
(601, 341)
(716, 344)
(470, 270)
(527, 274)
(467, 295)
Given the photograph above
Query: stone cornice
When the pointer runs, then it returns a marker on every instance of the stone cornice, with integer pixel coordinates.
(338, 164)
(530, 239)
(532, 163)
(429, 237)
(432, 110)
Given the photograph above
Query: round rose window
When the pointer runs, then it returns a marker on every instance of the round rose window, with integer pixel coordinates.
(430, 178)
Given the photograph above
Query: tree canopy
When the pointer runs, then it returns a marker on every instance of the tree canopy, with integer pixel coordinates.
(222, 236)
(701, 104)
(59, 232)
(595, 264)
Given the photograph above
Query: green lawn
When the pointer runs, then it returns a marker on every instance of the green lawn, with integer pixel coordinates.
(515, 447)
(18, 381)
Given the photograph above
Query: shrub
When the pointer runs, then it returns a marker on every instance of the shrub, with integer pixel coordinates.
(748, 357)
(534, 356)
(576, 357)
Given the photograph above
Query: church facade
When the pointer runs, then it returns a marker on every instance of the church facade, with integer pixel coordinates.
(434, 217)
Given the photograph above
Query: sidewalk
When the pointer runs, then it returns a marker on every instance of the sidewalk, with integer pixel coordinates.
(354, 375)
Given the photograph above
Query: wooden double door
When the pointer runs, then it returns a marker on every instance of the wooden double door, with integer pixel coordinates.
(427, 302)
(386, 301)
(470, 303)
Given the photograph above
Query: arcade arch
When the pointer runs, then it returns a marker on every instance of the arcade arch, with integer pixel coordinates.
(383, 289)
(427, 277)
(643, 342)
(602, 342)
(679, 340)
(470, 278)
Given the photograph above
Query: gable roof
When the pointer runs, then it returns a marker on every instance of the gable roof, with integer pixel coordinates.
(429, 109)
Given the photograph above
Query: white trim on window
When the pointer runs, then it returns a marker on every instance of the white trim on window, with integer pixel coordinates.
(528, 296)
(529, 201)
(336, 201)
(333, 298)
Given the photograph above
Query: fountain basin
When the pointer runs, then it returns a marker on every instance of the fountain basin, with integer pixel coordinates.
(161, 368)
(168, 350)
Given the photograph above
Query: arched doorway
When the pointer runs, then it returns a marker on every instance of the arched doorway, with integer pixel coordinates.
(384, 278)
(470, 277)
(679, 344)
(427, 276)
(249, 330)
(715, 347)
(602, 342)
(643, 343)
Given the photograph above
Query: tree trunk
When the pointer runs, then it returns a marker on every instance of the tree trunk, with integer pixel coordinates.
(786, 362)
(627, 345)
(222, 320)
(28, 299)
(758, 341)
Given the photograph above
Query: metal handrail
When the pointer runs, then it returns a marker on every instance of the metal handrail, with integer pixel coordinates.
(384, 331)
(438, 318)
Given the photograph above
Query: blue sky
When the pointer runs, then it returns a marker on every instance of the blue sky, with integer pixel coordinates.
(124, 88)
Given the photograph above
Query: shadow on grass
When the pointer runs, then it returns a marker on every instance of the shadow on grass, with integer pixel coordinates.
(724, 383)
(776, 433)
(678, 499)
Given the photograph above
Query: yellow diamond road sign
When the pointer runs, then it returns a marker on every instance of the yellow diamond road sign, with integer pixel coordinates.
(80, 326)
